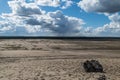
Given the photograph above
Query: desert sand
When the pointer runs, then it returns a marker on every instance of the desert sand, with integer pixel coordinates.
(49, 59)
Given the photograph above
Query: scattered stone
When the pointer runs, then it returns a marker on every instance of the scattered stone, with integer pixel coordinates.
(92, 66)
(102, 77)
(69, 75)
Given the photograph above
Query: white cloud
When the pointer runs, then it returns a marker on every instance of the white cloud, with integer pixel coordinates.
(24, 9)
(63, 4)
(65, 25)
(68, 3)
(114, 17)
(4, 26)
(56, 23)
(53, 3)
(29, 18)
(112, 28)
(102, 6)
(106, 7)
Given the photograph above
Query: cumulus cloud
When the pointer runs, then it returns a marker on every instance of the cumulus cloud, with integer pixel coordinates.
(29, 18)
(65, 24)
(114, 17)
(57, 23)
(4, 26)
(63, 4)
(22, 9)
(52, 3)
(67, 3)
(102, 6)
(106, 7)
(112, 28)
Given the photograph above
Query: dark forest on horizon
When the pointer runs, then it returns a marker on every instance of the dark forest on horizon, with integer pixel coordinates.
(57, 37)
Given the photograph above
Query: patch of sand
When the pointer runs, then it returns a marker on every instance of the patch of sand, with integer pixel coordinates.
(57, 59)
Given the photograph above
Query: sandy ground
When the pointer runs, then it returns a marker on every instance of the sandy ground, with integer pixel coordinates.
(57, 59)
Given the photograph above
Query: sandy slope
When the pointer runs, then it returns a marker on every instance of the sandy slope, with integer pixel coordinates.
(57, 59)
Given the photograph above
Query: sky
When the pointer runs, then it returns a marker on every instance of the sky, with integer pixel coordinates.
(91, 18)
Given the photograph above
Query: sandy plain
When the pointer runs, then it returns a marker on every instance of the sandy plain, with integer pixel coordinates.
(49, 59)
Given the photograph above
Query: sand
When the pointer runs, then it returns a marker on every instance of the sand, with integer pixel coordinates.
(57, 59)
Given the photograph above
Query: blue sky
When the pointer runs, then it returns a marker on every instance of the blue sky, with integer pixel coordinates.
(90, 20)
